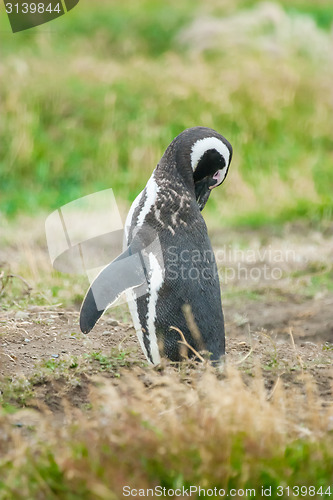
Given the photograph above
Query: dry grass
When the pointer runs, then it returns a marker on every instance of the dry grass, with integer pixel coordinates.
(168, 427)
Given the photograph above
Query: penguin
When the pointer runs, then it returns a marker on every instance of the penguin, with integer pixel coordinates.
(168, 263)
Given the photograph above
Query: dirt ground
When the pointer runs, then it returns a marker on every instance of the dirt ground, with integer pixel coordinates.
(38, 334)
(42, 333)
(285, 325)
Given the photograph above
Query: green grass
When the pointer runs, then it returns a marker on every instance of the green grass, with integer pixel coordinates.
(111, 362)
(20, 391)
(93, 101)
(321, 12)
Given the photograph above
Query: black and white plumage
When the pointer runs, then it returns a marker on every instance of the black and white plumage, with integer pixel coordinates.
(168, 259)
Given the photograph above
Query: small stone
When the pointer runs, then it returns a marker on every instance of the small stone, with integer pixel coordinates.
(22, 315)
(26, 340)
(55, 355)
(112, 322)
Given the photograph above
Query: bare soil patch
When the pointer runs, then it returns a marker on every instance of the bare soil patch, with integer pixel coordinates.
(283, 326)
(39, 340)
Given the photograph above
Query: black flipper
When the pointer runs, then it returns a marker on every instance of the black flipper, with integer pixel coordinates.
(125, 272)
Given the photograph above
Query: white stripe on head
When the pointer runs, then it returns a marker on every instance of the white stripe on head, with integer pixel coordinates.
(200, 147)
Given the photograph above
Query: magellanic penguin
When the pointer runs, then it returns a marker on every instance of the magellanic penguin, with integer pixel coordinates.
(168, 260)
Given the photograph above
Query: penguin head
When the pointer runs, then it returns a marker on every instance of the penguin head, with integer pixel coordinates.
(202, 157)
(210, 160)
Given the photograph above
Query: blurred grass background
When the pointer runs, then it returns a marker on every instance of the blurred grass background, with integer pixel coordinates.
(92, 99)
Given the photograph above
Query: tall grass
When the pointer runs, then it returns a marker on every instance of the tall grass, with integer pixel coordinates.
(169, 429)
(93, 100)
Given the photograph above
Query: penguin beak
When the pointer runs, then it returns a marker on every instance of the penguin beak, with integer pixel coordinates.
(217, 179)
(204, 187)
(202, 191)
